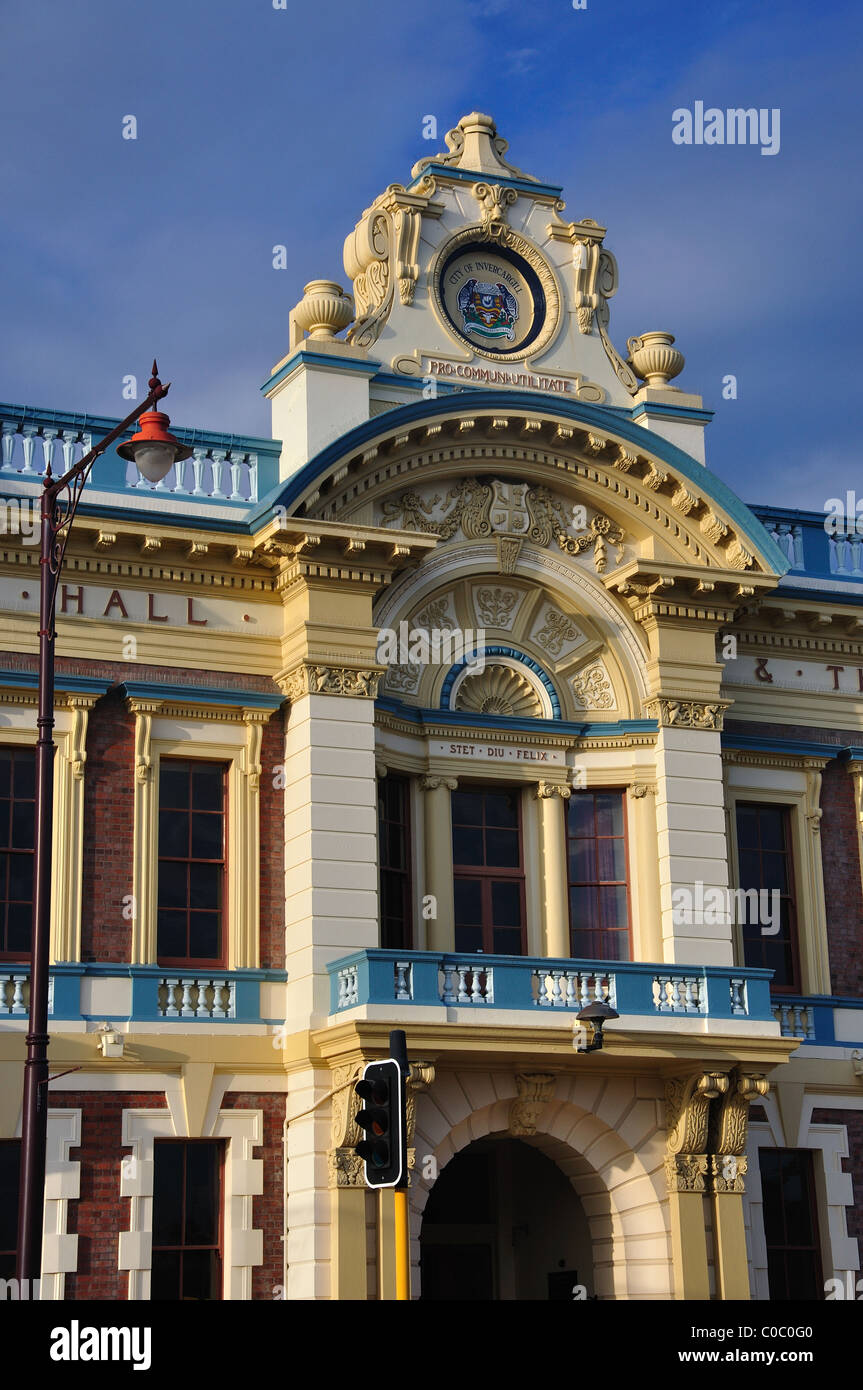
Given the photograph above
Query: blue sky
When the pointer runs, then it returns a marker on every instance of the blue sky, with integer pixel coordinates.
(112, 249)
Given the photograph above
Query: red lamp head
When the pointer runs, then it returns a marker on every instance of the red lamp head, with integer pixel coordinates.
(153, 449)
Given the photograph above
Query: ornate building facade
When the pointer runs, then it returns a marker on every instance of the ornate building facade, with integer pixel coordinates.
(470, 698)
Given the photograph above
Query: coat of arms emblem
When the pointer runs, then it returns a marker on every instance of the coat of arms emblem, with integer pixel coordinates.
(488, 309)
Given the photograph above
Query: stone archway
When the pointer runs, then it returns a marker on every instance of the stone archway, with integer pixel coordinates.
(502, 1222)
(606, 1135)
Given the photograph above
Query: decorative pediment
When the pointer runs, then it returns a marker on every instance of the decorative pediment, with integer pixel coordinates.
(476, 508)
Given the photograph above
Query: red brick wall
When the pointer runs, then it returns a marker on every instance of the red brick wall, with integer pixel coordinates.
(109, 823)
(108, 830)
(272, 846)
(101, 1213)
(853, 1164)
(842, 889)
(268, 1212)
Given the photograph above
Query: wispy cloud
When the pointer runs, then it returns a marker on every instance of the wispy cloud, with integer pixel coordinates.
(521, 60)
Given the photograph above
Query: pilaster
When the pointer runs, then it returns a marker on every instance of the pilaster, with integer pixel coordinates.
(439, 860)
(552, 797)
(66, 868)
(146, 833)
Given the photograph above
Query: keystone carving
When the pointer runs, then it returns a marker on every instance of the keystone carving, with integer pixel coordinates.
(535, 1089)
(494, 199)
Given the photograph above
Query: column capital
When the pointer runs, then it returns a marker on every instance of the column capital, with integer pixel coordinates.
(686, 1172)
(543, 790)
(430, 782)
(687, 714)
(314, 679)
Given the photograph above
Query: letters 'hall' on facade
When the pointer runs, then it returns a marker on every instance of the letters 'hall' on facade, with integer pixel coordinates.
(470, 698)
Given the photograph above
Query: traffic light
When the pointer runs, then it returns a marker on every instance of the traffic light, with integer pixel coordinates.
(382, 1118)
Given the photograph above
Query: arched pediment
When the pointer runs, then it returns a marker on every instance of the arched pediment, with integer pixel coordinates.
(669, 507)
(546, 642)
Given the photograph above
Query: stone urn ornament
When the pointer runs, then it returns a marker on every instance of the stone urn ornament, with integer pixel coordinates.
(653, 358)
(324, 309)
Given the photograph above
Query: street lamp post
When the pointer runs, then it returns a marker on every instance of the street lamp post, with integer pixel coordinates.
(154, 451)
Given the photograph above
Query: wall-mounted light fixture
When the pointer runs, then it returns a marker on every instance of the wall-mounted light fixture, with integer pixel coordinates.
(595, 1015)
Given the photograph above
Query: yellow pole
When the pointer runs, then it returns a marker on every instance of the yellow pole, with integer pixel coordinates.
(403, 1249)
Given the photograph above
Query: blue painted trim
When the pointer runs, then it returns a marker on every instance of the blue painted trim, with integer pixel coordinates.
(673, 412)
(813, 595)
(516, 655)
(594, 416)
(459, 718)
(124, 970)
(551, 190)
(773, 744)
(424, 717)
(307, 357)
(201, 694)
(234, 523)
(82, 685)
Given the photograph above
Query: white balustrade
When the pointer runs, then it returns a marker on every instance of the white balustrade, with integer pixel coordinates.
(194, 996)
(795, 1020)
(679, 994)
(19, 444)
(789, 538)
(466, 984)
(348, 987)
(739, 997)
(569, 988)
(846, 554)
(15, 994)
(203, 475)
(404, 983)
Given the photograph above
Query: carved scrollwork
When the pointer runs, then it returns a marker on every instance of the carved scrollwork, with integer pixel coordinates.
(687, 1105)
(313, 679)
(685, 1172)
(687, 714)
(728, 1128)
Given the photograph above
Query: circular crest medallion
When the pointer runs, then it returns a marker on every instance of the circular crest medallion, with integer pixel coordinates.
(500, 298)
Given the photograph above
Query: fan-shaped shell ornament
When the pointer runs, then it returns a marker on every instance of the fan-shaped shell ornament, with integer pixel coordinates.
(498, 690)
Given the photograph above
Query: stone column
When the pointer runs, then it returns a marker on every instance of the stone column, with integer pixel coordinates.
(813, 942)
(726, 1173)
(349, 1280)
(687, 1102)
(438, 860)
(551, 797)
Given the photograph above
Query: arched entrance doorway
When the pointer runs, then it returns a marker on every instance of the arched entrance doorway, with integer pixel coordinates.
(503, 1222)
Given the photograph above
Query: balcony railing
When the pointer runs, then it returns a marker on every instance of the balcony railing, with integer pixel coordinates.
(223, 467)
(547, 986)
(156, 995)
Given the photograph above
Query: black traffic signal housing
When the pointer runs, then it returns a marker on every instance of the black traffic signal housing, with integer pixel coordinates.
(383, 1119)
